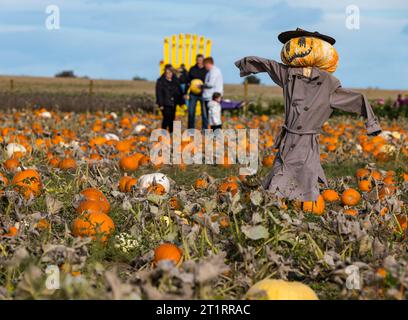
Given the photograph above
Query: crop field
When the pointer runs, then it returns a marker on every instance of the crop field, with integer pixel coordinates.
(126, 87)
(79, 218)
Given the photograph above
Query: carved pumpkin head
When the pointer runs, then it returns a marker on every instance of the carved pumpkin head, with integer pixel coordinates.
(310, 52)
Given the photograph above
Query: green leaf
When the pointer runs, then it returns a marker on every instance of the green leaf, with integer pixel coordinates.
(154, 198)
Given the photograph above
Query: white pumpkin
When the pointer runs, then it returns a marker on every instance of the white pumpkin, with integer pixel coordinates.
(139, 128)
(111, 136)
(386, 135)
(15, 147)
(387, 148)
(74, 144)
(148, 180)
(46, 115)
(396, 135)
(114, 115)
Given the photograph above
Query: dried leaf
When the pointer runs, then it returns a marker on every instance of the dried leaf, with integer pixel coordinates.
(53, 205)
(256, 198)
(255, 232)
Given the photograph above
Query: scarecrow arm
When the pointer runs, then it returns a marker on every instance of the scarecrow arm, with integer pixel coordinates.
(277, 71)
(356, 102)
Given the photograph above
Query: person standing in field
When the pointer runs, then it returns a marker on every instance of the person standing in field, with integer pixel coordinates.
(168, 95)
(182, 76)
(214, 111)
(197, 71)
(213, 83)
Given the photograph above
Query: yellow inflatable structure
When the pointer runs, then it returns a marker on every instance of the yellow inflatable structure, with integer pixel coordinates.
(183, 49)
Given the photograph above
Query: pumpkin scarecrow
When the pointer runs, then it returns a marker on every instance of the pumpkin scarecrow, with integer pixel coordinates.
(311, 94)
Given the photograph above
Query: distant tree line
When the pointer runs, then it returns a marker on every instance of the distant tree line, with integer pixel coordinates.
(66, 74)
(71, 74)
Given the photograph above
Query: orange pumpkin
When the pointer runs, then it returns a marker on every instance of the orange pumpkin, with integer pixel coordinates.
(201, 184)
(96, 225)
(167, 251)
(362, 173)
(122, 183)
(42, 224)
(389, 180)
(365, 185)
(138, 157)
(384, 211)
(12, 231)
(174, 203)
(54, 162)
(386, 191)
(230, 186)
(156, 189)
(268, 160)
(96, 195)
(128, 163)
(351, 212)
(402, 221)
(310, 52)
(223, 220)
(27, 182)
(330, 195)
(390, 173)
(350, 197)
(317, 207)
(376, 175)
(68, 164)
(11, 164)
(144, 161)
(95, 157)
(130, 184)
(89, 206)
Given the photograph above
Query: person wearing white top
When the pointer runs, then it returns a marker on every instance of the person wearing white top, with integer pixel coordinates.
(214, 111)
(213, 83)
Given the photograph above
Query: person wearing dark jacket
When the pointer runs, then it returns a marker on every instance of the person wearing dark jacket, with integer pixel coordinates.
(198, 71)
(168, 96)
(183, 78)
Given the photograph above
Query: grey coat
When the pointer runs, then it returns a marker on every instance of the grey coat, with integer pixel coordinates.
(309, 102)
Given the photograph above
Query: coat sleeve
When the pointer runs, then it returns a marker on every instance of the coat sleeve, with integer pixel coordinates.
(277, 71)
(212, 80)
(159, 94)
(350, 101)
(179, 94)
(188, 81)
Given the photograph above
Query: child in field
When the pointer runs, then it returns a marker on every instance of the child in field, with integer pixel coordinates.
(214, 111)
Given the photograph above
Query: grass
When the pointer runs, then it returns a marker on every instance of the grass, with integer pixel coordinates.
(348, 168)
(332, 170)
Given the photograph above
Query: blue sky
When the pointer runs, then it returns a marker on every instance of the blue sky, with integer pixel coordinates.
(121, 38)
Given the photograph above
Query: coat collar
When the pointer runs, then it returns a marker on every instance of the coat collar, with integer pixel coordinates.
(295, 71)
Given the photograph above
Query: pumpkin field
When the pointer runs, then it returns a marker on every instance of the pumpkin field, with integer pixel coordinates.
(84, 214)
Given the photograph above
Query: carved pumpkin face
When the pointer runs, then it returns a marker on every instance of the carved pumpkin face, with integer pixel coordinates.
(310, 52)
